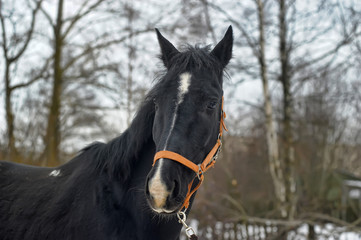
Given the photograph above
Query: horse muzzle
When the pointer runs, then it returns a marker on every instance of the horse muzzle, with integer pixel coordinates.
(164, 196)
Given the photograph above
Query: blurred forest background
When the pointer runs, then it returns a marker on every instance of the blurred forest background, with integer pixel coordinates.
(75, 71)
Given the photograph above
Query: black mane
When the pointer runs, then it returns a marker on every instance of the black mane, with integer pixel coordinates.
(117, 156)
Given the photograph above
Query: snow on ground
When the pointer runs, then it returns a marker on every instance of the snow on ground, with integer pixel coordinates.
(323, 232)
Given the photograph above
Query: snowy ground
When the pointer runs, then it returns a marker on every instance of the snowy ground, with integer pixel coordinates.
(325, 232)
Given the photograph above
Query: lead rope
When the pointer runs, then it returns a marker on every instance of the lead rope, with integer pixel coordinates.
(189, 230)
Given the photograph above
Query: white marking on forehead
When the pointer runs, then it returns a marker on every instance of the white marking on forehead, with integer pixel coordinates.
(55, 173)
(184, 82)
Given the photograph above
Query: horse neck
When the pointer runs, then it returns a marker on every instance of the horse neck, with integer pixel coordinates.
(122, 153)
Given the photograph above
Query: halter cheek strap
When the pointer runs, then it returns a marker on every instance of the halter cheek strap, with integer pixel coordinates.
(201, 168)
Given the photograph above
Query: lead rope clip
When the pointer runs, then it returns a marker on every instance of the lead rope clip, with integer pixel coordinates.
(189, 230)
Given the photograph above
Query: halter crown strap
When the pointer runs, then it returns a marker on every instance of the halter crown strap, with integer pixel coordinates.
(201, 168)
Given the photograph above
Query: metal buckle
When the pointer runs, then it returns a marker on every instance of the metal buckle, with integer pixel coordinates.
(215, 157)
(182, 217)
(190, 232)
(200, 172)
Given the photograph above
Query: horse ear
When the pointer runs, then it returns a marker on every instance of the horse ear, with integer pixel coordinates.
(223, 50)
(167, 49)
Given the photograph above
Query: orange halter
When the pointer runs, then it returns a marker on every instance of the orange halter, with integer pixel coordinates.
(201, 168)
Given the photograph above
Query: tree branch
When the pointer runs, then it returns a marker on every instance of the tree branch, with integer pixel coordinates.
(102, 45)
(250, 41)
(4, 43)
(35, 78)
(341, 44)
(80, 15)
(48, 17)
(30, 33)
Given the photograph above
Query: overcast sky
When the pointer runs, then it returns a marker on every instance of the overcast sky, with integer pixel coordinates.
(249, 91)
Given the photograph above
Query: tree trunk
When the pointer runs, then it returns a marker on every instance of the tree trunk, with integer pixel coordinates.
(11, 151)
(285, 78)
(131, 55)
(311, 232)
(12, 53)
(208, 21)
(130, 83)
(272, 141)
(52, 137)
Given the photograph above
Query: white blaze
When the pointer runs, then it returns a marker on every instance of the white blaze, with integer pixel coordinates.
(185, 81)
(156, 186)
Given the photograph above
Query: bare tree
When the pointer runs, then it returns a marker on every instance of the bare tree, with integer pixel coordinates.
(64, 67)
(288, 69)
(272, 139)
(80, 62)
(292, 77)
(14, 44)
(131, 15)
(285, 78)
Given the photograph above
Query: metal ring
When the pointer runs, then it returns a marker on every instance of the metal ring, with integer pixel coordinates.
(200, 172)
(181, 216)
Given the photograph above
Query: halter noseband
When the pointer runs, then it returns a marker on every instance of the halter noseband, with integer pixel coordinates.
(201, 168)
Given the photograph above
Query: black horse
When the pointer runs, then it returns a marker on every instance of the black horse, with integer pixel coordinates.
(111, 191)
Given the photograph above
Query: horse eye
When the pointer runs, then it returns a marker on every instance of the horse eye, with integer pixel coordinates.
(212, 105)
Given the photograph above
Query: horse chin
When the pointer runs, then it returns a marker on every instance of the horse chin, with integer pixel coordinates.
(163, 211)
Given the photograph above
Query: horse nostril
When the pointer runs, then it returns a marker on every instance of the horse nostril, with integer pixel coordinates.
(176, 190)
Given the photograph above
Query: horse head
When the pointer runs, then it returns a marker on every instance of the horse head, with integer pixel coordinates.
(188, 115)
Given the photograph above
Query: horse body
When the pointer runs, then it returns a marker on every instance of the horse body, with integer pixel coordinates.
(36, 205)
(104, 192)
(75, 204)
